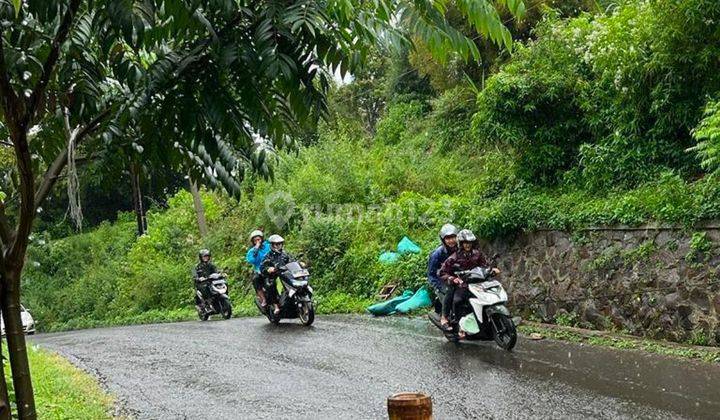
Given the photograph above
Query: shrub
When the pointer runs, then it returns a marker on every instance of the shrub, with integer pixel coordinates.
(707, 135)
(397, 120)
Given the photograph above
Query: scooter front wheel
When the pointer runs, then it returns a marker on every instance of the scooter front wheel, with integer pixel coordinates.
(306, 313)
(226, 308)
(201, 314)
(504, 331)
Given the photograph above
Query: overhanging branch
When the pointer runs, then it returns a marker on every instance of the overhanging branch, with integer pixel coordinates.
(55, 169)
(9, 98)
(49, 65)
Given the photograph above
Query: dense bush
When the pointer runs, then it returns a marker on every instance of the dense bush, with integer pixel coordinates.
(708, 136)
(534, 106)
(616, 95)
(397, 120)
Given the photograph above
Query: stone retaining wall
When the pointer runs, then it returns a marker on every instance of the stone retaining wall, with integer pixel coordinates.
(659, 282)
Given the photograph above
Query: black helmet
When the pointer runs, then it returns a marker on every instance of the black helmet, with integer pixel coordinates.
(204, 253)
(447, 230)
(466, 235)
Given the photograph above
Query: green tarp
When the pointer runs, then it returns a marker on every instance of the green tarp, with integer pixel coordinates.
(406, 246)
(421, 299)
(388, 257)
(388, 307)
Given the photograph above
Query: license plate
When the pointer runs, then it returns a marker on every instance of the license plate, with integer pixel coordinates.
(301, 273)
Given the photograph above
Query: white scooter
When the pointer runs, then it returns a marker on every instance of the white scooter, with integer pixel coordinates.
(481, 314)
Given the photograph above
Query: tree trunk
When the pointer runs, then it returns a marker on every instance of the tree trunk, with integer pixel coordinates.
(5, 410)
(10, 304)
(199, 209)
(137, 199)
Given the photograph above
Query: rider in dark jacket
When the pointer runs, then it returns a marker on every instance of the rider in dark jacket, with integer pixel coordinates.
(275, 259)
(203, 270)
(465, 258)
(448, 236)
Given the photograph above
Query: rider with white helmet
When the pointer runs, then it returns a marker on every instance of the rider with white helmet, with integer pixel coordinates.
(467, 257)
(255, 256)
(277, 257)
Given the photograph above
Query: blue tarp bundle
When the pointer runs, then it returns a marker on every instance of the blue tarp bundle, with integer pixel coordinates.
(388, 257)
(406, 246)
(388, 307)
(421, 299)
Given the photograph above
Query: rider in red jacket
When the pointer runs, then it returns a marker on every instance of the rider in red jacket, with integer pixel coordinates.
(466, 257)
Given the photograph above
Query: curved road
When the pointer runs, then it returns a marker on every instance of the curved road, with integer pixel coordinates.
(346, 366)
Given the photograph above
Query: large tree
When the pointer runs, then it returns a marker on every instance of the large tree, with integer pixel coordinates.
(188, 84)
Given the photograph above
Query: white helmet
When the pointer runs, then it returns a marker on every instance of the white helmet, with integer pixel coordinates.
(276, 239)
(447, 230)
(466, 235)
(255, 233)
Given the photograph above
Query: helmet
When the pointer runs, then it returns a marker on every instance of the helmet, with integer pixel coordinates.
(203, 253)
(276, 239)
(466, 235)
(447, 230)
(255, 233)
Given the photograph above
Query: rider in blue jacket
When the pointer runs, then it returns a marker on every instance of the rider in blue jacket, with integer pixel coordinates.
(255, 256)
(448, 236)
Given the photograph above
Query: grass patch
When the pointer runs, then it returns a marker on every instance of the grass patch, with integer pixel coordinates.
(333, 303)
(620, 342)
(62, 391)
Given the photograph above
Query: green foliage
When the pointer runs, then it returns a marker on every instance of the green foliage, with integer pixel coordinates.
(533, 105)
(700, 248)
(624, 342)
(398, 119)
(567, 319)
(641, 253)
(607, 101)
(707, 135)
(449, 122)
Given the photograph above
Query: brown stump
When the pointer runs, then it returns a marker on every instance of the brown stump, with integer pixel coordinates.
(409, 406)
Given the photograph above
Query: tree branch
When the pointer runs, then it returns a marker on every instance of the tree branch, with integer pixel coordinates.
(15, 254)
(5, 230)
(53, 172)
(9, 98)
(49, 65)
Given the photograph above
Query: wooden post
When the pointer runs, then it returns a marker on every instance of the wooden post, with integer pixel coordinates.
(409, 406)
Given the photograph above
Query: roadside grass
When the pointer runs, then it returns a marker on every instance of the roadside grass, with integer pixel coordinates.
(62, 391)
(243, 306)
(608, 339)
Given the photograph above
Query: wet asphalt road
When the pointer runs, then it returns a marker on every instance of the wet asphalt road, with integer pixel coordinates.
(345, 367)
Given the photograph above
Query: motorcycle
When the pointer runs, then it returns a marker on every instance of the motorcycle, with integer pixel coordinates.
(218, 302)
(482, 313)
(296, 299)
